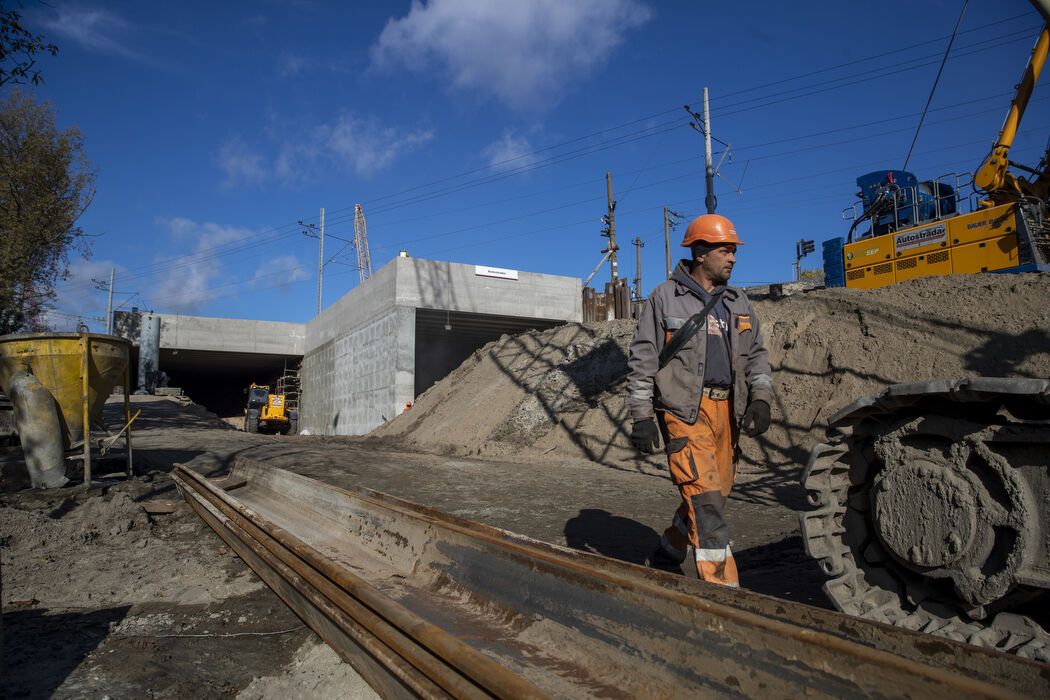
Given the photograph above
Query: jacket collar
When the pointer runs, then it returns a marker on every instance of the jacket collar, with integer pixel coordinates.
(685, 284)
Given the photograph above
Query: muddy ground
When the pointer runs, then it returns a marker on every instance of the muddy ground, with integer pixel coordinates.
(101, 599)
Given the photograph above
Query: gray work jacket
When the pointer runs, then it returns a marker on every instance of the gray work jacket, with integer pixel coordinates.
(679, 386)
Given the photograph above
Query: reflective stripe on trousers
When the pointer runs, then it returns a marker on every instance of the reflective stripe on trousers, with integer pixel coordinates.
(700, 459)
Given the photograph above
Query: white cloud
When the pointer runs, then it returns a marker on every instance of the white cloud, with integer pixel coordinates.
(94, 29)
(509, 152)
(523, 53)
(190, 281)
(363, 145)
(280, 272)
(241, 164)
(291, 65)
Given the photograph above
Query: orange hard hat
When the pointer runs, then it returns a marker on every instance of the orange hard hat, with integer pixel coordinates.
(710, 228)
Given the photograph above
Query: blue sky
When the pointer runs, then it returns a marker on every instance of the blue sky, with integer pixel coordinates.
(480, 131)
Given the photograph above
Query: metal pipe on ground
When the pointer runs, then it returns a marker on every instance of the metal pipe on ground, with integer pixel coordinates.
(408, 594)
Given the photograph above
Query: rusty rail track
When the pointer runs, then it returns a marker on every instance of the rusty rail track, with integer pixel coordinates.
(424, 604)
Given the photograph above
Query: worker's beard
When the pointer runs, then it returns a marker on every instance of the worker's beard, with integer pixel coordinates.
(718, 275)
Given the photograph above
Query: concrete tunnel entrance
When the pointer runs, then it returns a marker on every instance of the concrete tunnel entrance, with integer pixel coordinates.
(444, 339)
(217, 380)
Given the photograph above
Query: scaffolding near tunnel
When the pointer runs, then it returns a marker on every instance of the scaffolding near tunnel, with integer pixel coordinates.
(288, 386)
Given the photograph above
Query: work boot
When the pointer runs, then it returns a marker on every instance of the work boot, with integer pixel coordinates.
(660, 559)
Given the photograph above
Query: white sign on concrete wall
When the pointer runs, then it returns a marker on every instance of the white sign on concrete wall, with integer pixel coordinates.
(482, 271)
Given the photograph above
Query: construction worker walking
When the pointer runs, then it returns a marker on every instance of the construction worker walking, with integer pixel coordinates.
(699, 375)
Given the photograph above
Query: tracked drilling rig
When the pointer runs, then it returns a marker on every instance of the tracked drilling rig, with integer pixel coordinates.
(931, 499)
(905, 228)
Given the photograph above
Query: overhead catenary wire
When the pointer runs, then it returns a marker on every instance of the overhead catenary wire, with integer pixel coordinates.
(874, 73)
(677, 107)
(936, 80)
(793, 202)
(591, 200)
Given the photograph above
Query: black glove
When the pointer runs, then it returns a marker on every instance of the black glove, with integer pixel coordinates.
(756, 418)
(646, 436)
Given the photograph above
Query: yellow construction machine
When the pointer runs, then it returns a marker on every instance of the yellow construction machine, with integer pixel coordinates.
(930, 500)
(905, 228)
(269, 413)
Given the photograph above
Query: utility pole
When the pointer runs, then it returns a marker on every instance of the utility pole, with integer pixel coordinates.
(610, 227)
(320, 263)
(709, 170)
(702, 124)
(109, 304)
(638, 244)
(671, 219)
(108, 288)
(667, 243)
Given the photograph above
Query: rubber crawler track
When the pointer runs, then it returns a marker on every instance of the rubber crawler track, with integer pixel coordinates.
(827, 479)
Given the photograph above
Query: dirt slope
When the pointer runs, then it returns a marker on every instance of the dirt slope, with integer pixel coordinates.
(560, 391)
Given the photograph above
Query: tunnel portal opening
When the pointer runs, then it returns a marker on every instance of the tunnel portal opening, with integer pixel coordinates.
(218, 380)
(444, 339)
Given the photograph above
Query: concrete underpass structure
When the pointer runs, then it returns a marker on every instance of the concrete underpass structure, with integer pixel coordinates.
(214, 359)
(408, 326)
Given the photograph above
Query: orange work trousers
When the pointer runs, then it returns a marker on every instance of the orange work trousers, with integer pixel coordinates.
(700, 458)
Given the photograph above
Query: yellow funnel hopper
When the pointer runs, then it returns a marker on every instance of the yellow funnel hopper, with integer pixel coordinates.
(78, 371)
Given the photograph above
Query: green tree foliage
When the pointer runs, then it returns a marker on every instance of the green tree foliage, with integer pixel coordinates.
(46, 183)
(18, 50)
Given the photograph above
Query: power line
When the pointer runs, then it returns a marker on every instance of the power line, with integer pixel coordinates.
(930, 59)
(878, 74)
(591, 200)
(872, 57)
(676, 108)
(794, 202)
(935, 82)
(630, 137)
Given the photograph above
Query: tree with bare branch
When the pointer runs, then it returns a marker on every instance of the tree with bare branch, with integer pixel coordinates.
(19, 49)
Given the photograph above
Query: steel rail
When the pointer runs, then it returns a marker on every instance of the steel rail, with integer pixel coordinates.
(366, 625)
(260, 561)
(402, 631)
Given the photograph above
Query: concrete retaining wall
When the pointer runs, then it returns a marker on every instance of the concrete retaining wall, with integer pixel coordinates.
(232, 335)
(360, 360)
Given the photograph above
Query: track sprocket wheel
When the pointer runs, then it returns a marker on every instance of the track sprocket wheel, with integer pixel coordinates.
(931, 509)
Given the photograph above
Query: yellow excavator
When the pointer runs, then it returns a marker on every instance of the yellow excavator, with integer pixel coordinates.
(908, 228)
(268, 413)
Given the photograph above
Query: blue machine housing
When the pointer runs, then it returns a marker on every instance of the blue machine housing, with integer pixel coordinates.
(834, 268)
(895, 200)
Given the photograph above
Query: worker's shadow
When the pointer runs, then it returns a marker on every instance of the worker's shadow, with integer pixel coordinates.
(601, 532)
(43, 649)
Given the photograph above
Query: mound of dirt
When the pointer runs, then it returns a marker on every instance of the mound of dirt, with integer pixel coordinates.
(68, 548)
(560, 392)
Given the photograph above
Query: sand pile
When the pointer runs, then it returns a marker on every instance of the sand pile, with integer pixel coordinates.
(560, 392)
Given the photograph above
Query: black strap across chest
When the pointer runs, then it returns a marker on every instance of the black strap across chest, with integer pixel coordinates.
(688, 330)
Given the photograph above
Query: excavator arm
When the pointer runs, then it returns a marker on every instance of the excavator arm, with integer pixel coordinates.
(994, 177)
